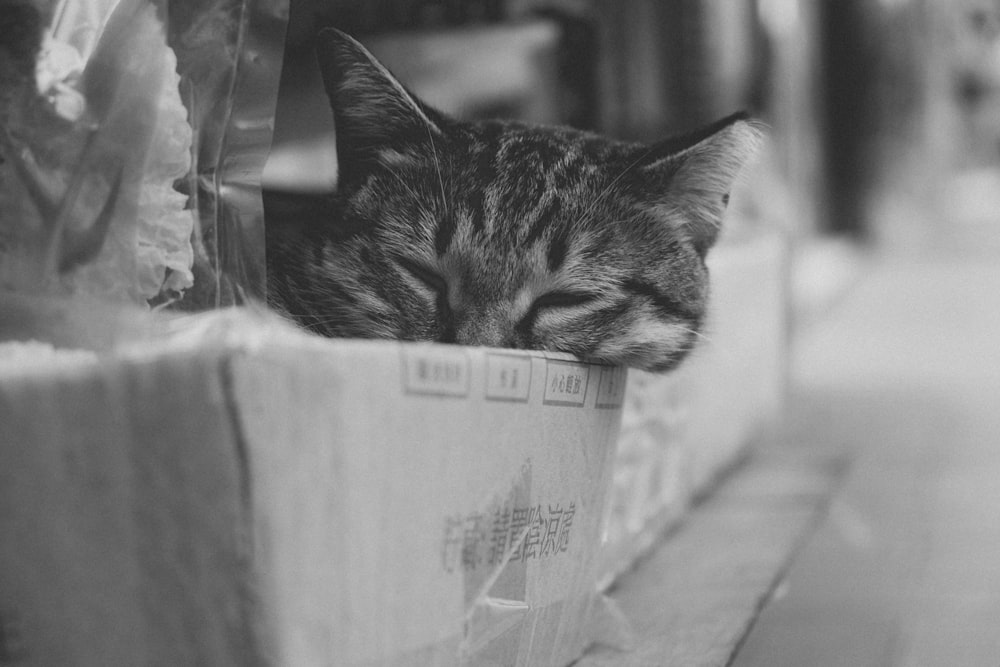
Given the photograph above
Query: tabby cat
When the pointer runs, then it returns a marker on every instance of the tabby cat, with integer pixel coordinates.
(502, 234)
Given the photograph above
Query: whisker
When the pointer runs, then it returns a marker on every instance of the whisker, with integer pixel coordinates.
(437, 166)
(696, 333)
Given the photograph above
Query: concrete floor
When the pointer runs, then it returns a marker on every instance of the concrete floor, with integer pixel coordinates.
(903, 380)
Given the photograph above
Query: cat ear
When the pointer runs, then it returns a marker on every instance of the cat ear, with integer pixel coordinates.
(693, 175)
(370, 107)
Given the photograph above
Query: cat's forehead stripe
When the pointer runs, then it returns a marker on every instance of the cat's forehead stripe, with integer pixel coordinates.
(444, 233)
(485, 173)
(545, 217)
(556, 255)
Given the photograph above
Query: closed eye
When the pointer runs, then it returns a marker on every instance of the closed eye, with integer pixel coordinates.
(436, 283)
(562, 300)
(551, 300)
(426, 275)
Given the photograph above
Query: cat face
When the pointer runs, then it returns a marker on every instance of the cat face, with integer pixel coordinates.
(501, 234)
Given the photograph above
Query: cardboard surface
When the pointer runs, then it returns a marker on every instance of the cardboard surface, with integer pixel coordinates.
(462, 490)
(124, 536)
(279, 499)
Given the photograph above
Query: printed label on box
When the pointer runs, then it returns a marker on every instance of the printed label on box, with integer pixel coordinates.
(611, 387)
(510, 533)
(508, 378)
(565, 383)
(436, 372)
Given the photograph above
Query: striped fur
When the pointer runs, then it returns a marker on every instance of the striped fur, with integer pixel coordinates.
(501, 234)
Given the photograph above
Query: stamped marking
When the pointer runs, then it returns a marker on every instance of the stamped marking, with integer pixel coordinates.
(566, 383)
(508, 377)
(510, 533)
(435, 372)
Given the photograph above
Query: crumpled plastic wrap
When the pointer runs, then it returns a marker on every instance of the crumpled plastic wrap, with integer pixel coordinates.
(229, 56)
(154, 246)
(133, 134)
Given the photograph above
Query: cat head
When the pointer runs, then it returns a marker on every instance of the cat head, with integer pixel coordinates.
(502, 234)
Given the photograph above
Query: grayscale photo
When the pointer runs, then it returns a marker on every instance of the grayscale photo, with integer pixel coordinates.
(500, 333)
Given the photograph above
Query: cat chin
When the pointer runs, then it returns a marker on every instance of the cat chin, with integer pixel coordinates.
(650, 363)
(656, 347)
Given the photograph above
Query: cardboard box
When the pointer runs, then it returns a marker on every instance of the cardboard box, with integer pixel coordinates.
(241, 493)
(245, 495)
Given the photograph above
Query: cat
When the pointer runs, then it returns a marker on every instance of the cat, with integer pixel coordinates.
(502, 234)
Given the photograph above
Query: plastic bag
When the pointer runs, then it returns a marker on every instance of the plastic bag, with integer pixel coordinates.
(133, 134)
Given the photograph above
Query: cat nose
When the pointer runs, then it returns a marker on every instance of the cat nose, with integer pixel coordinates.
(491, 330)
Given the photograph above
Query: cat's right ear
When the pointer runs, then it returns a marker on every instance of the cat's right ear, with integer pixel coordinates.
(692, 175)
(372, 110)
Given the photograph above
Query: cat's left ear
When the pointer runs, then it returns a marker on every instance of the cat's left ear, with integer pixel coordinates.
(695, 173)
(371, 108)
